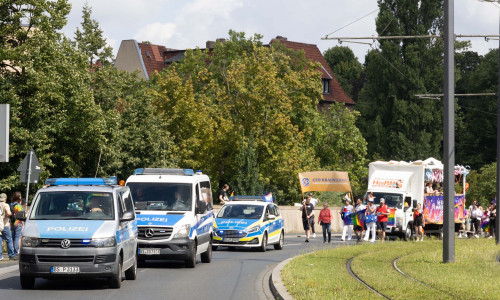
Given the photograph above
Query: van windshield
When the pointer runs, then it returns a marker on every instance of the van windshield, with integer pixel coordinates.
(241, 211)
(391, 199)
(161, 196)
(73, 206)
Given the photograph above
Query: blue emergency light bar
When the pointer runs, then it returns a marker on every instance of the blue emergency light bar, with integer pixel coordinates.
(247, 198)
(81, 181)
(162, 171)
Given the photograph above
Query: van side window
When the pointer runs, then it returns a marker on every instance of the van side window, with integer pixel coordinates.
(201, 206)
(127, 201)
(206, 194)
(277, 211)
(121, 206)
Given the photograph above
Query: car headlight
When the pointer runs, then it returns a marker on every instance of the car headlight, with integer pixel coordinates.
(103, 242)
(30, 241)
(399, 221)
(182, 231)
(253, 229)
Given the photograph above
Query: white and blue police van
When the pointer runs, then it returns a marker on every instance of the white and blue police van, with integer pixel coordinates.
(174, 214)
(79, 227)
(250, 222)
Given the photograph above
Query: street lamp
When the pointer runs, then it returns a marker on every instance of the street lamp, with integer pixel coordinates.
(497, 219)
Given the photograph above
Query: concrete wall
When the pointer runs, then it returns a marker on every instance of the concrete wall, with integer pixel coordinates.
(293, 219)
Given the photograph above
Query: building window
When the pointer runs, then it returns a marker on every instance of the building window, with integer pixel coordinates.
(326, 86)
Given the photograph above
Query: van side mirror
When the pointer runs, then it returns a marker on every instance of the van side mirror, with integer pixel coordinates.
(21, 215)
(127, 216)
(271, 217)
(414, 204)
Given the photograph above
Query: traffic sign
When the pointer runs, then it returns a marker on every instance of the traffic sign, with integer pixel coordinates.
(30, 168)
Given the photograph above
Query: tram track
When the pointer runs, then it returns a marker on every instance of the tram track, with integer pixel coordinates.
(351, 272)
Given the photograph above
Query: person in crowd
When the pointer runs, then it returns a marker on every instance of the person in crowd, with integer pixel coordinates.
(222, 196)
(358, 230)
(314, 202)
(382, 219)
(485, 220)
(428, 188)
(464, 226)
(346, 212)
(307, 209)
(6, 232)
(418, 222)
(371, 220)
(325, 220)
(476, 215)
(493, 217)
(16, 206)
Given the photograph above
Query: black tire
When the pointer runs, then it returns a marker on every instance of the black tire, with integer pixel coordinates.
(27, 282)
(115, 282)
(280, 243)
(206, 257)
(214, 248)
(131, 273)
(408, 234)
(190, 261)
(263, 245)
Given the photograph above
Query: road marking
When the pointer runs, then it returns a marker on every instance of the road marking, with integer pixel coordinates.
(292, 244)
(9, 269)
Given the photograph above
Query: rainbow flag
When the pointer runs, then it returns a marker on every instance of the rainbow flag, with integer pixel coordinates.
(269, 197)
(485, 226)
(392, 218)
(359, 218)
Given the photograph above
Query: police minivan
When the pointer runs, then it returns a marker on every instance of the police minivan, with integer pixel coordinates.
(174, 214)
(79, 227)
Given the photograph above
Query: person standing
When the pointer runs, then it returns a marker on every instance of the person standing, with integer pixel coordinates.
(383, 217)
(307, 209)
(223, 198)
(476, 215)
(6, 233)
(418, 222)
(346, 212)
(314, 202)
(325, 219)
(493, 216)
(371, 220)
(16, 225)
(358, 230)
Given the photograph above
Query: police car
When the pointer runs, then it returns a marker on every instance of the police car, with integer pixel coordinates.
(79, 227)
(249, 221)
(174, 214)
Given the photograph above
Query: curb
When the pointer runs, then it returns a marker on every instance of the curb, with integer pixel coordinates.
(276, 284)
(5, 270)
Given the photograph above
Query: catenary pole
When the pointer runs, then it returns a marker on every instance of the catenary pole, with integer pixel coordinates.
(449, 135)
(497, 219)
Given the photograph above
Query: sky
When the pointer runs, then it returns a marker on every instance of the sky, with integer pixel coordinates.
(182, 24)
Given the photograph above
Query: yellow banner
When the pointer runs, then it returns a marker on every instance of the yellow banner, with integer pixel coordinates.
(324, 181)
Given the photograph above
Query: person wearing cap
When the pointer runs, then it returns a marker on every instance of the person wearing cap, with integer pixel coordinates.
(346, 212)
(383, 217)
(371, 212)
(314, 202)
(6, 233)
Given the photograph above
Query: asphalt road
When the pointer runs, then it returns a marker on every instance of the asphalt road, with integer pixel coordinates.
(232, 274)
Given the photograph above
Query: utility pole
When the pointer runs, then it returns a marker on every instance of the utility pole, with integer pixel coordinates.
(449, 136)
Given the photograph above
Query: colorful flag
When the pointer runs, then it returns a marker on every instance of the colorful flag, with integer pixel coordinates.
(232, 193)
(359, 218)
(269, 197)
(347, 218)
(392, 218)
(485, 225)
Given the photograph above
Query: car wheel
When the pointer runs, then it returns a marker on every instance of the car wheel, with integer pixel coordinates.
(27, 282)
(115, 282)
(131, 273)
(263, 245)
(280, 243)
(206, 257)
(190, 261)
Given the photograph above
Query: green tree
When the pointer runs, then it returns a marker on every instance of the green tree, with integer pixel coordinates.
(482, 185)
(90, 39)
(395, 123)
(346, 68)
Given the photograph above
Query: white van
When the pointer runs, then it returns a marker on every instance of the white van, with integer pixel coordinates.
(174, 210)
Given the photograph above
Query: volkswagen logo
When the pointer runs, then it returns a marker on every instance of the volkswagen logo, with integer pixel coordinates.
(149, 232)
(65, 243)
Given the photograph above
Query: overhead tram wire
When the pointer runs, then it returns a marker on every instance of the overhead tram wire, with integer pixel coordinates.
(352, 22)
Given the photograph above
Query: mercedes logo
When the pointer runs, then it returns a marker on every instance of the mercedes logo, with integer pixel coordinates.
(65, 243)
(149, 232)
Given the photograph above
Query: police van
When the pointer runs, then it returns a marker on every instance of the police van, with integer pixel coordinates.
(250, 222)
(174, 214)
(79, 227)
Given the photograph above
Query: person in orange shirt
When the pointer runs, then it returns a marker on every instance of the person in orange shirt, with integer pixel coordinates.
(418, 222)
(325, 219)
(382, 219)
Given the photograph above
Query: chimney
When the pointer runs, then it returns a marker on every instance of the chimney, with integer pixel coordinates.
(221, 40)
(281, 38)
(210, 44)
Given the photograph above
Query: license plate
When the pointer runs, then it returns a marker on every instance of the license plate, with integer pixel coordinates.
(231, 240)
(147, 251)
(65, 270)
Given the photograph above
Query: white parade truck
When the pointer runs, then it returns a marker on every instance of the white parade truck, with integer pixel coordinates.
(402, 185)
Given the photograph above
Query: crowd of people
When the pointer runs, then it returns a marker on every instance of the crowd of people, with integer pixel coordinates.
(11, 233)
(479, 221)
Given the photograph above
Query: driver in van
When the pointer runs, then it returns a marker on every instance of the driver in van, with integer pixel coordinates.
(179, 202)
(95, 204)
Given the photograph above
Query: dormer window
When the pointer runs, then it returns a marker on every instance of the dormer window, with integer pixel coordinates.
(326, 86)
